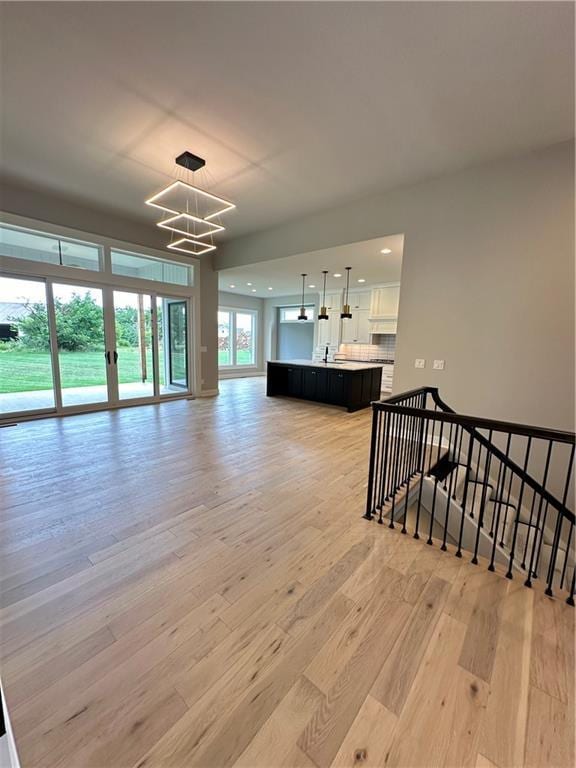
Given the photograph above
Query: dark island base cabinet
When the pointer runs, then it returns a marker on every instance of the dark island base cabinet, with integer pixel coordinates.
(351, 389)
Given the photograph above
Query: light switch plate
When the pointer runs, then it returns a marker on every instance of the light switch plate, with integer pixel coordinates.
(438, 365)
(203, 349)
(419, 363)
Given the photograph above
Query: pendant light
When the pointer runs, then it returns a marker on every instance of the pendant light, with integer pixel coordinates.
(346, 314)
(323, 312)
(303, 315)
(189, 210)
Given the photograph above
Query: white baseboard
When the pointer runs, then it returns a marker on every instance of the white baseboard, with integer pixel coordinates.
(208, 393)
(240, 374)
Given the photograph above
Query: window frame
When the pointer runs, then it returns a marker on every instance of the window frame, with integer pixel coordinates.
(234, 365)
(105, 275)
(310, 311)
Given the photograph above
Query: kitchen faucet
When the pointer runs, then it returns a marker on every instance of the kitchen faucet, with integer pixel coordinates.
(325, 358)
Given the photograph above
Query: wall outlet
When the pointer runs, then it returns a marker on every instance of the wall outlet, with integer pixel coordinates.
(438, 365)
(419, 363)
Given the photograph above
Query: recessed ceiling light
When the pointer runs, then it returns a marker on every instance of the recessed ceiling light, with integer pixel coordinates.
(386, 250)
(311, 286)
(270, 288)
(253, 290)
(231, 286)
(248, 283)
(361, 280)
(337, 274)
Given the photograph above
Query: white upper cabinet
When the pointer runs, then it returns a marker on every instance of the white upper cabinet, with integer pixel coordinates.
(360, 300)
(329, 330)
(333, 301)
(356, 330)
(384, 302)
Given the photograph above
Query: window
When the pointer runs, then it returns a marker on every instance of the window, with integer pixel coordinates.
(290, 314)
(28, 244)
(149, 268)
(237, 337)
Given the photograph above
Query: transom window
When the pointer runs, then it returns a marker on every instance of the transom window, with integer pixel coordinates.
(290, 314)
(148, 268)
(236, 337)
(43, 247)
(30, 245)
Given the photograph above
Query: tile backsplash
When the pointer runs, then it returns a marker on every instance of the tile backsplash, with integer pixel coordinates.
(386, 348)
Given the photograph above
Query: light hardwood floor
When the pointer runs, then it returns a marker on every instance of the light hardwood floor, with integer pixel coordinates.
(192, 584)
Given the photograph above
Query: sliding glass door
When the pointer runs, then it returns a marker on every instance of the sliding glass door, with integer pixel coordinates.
(81, 341)
(133, 354)
(26, 369)
(71, 346)
(173, 345)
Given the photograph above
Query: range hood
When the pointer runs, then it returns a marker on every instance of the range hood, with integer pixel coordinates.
(383, 326)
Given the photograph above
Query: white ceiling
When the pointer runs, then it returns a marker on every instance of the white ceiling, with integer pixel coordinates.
(284, 275)
(296, 106)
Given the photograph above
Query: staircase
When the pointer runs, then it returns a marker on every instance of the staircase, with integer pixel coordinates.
(496, 490)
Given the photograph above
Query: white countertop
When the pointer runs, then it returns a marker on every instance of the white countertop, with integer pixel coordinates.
(335, 366)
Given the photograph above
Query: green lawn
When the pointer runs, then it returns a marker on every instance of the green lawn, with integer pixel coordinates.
(243, 356)
(24, 371)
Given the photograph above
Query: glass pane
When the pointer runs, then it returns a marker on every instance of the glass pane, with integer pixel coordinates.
(224, 356)
(26, 381)
(35, 246)
(173, 345)
(244, 339)
(148, 268)
(133, 323)
(290, 314)
(80, 338)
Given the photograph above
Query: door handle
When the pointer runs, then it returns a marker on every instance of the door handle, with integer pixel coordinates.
(115, 357)
(107, 356)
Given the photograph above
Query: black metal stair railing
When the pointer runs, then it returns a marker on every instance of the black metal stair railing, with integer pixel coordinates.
(499, 490)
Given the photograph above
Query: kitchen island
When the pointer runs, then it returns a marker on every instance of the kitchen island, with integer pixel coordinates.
(351, 385)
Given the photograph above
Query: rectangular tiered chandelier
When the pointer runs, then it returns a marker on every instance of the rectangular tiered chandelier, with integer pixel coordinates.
(192, 210)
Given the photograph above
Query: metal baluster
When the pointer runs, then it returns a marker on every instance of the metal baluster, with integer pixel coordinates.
(517, 518)
(476, 481)
(449, 500)
(497, 499)
(385, 470)
(531, 573)
(526, 543)
(498, 505)
(567, 555)
(570, 598)
(480, 523)
(408, 478)
(465, 495)
(422, 473)
(458, 458)
(396, 468)
(369, 501)
(502, 544)
(378, 469)
(406, 444)
(554, 553)
(429, 541)
(557, 538)
(391, 449)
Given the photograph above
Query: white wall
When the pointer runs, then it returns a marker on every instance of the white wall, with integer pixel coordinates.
(487, 280)
(236, 301)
